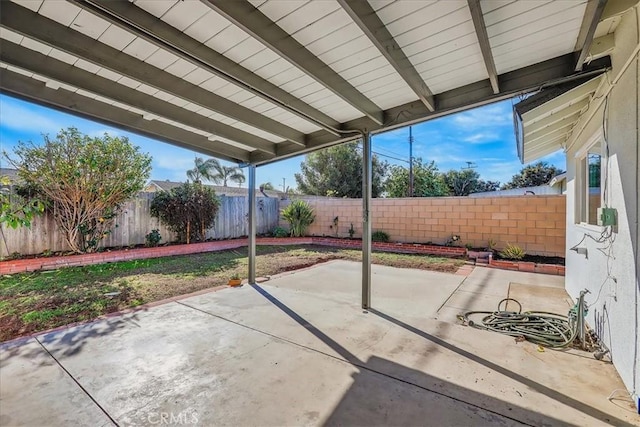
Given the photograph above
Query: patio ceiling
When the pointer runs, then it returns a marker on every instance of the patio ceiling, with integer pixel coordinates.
(546, 121)
(257, 81)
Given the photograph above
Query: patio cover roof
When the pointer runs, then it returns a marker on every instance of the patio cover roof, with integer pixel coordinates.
(256, 81)
(546, 122)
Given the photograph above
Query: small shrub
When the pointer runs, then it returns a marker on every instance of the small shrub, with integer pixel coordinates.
(153, 239)
(352, 231)
(189, 210)
(380, 236)
(469, 246)
(300, 216)
(491, 244)
(235, 276)
(514, 252)
(279, 232)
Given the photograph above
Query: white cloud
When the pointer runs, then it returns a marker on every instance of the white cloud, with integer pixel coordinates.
(488, 116)
(481, 138)
(22, 119)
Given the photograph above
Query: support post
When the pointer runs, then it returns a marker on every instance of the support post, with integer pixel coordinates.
(252, 224)
(366, 220)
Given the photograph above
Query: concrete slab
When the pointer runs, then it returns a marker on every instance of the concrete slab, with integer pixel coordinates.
(397, 290)
(298, 350)
(538, 298)
(36, 391)
(176, 363)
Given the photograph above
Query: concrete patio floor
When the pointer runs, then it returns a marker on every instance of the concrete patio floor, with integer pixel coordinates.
(298, 350)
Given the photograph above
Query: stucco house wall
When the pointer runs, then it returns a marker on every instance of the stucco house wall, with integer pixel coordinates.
(610, 268)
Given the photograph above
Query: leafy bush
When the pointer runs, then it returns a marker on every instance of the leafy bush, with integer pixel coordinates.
(83, 180)
(352, 231)
(153, 239)
(188, 210)
(512, 252)
(300, 216)
(279, 232)
(380, 236)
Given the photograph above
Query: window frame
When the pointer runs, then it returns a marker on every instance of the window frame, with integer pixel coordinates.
(581, 214)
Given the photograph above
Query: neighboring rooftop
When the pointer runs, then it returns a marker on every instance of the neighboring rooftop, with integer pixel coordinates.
(158, 185)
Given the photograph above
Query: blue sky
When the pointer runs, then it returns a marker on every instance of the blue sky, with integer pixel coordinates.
(483, 136)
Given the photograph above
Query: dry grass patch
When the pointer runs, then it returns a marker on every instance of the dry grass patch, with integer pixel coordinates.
(33, 302)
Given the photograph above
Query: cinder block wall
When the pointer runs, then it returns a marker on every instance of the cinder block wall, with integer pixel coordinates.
(535, 223)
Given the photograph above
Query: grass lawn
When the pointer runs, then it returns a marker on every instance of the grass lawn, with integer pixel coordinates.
(33, 302)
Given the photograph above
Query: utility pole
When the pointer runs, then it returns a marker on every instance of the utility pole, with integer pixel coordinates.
(410, 163)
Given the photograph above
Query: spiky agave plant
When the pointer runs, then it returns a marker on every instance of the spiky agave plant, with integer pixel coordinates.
(300, 216)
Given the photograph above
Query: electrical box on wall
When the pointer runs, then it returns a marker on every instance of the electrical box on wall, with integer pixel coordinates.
(607, 217)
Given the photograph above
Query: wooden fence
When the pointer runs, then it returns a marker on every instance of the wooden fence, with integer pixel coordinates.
(135, 221)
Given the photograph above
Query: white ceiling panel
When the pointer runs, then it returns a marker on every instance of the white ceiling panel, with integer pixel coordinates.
(304, 15)
(226, 39)
(459, 77)
(243, 50)
(277, 9)
(10, 35)
(207, 26)
(116, 37)
(398, 9)
(161, 59)
(35, 45)
(89, 24)
(33, 5)
(198, 76)
(184, 13)
(453, 19)
(156, 7)
(140, 49)
(63, 56)
(126, 81)
(260, 59)
(60, 11)
(181, 68)
(87, 66)
(426, 20)
(149, 90)
(438, 37)
(108, 74)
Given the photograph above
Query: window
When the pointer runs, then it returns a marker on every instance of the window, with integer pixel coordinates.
(588, 183)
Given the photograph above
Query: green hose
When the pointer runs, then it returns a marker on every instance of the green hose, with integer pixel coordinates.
(539, 327)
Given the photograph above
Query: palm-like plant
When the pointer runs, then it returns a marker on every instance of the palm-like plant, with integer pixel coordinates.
(300, 216)
(224, 174)
(203, 169)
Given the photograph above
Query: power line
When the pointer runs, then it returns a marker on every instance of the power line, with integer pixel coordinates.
(385, 155)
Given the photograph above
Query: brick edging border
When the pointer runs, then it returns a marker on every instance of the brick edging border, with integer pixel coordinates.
(53, 263)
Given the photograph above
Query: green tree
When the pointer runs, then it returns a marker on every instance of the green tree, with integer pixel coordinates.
(487, 186)
(267, 186)
(188, 210)
(224, 174)
(427, 182)
(211, 170)
(15, 210)
(84, 180)
(461, 182)
(532, 175)
(337, 171)
(203, 169)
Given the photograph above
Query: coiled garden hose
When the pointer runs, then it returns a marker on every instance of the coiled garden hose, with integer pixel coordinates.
(539, 327)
